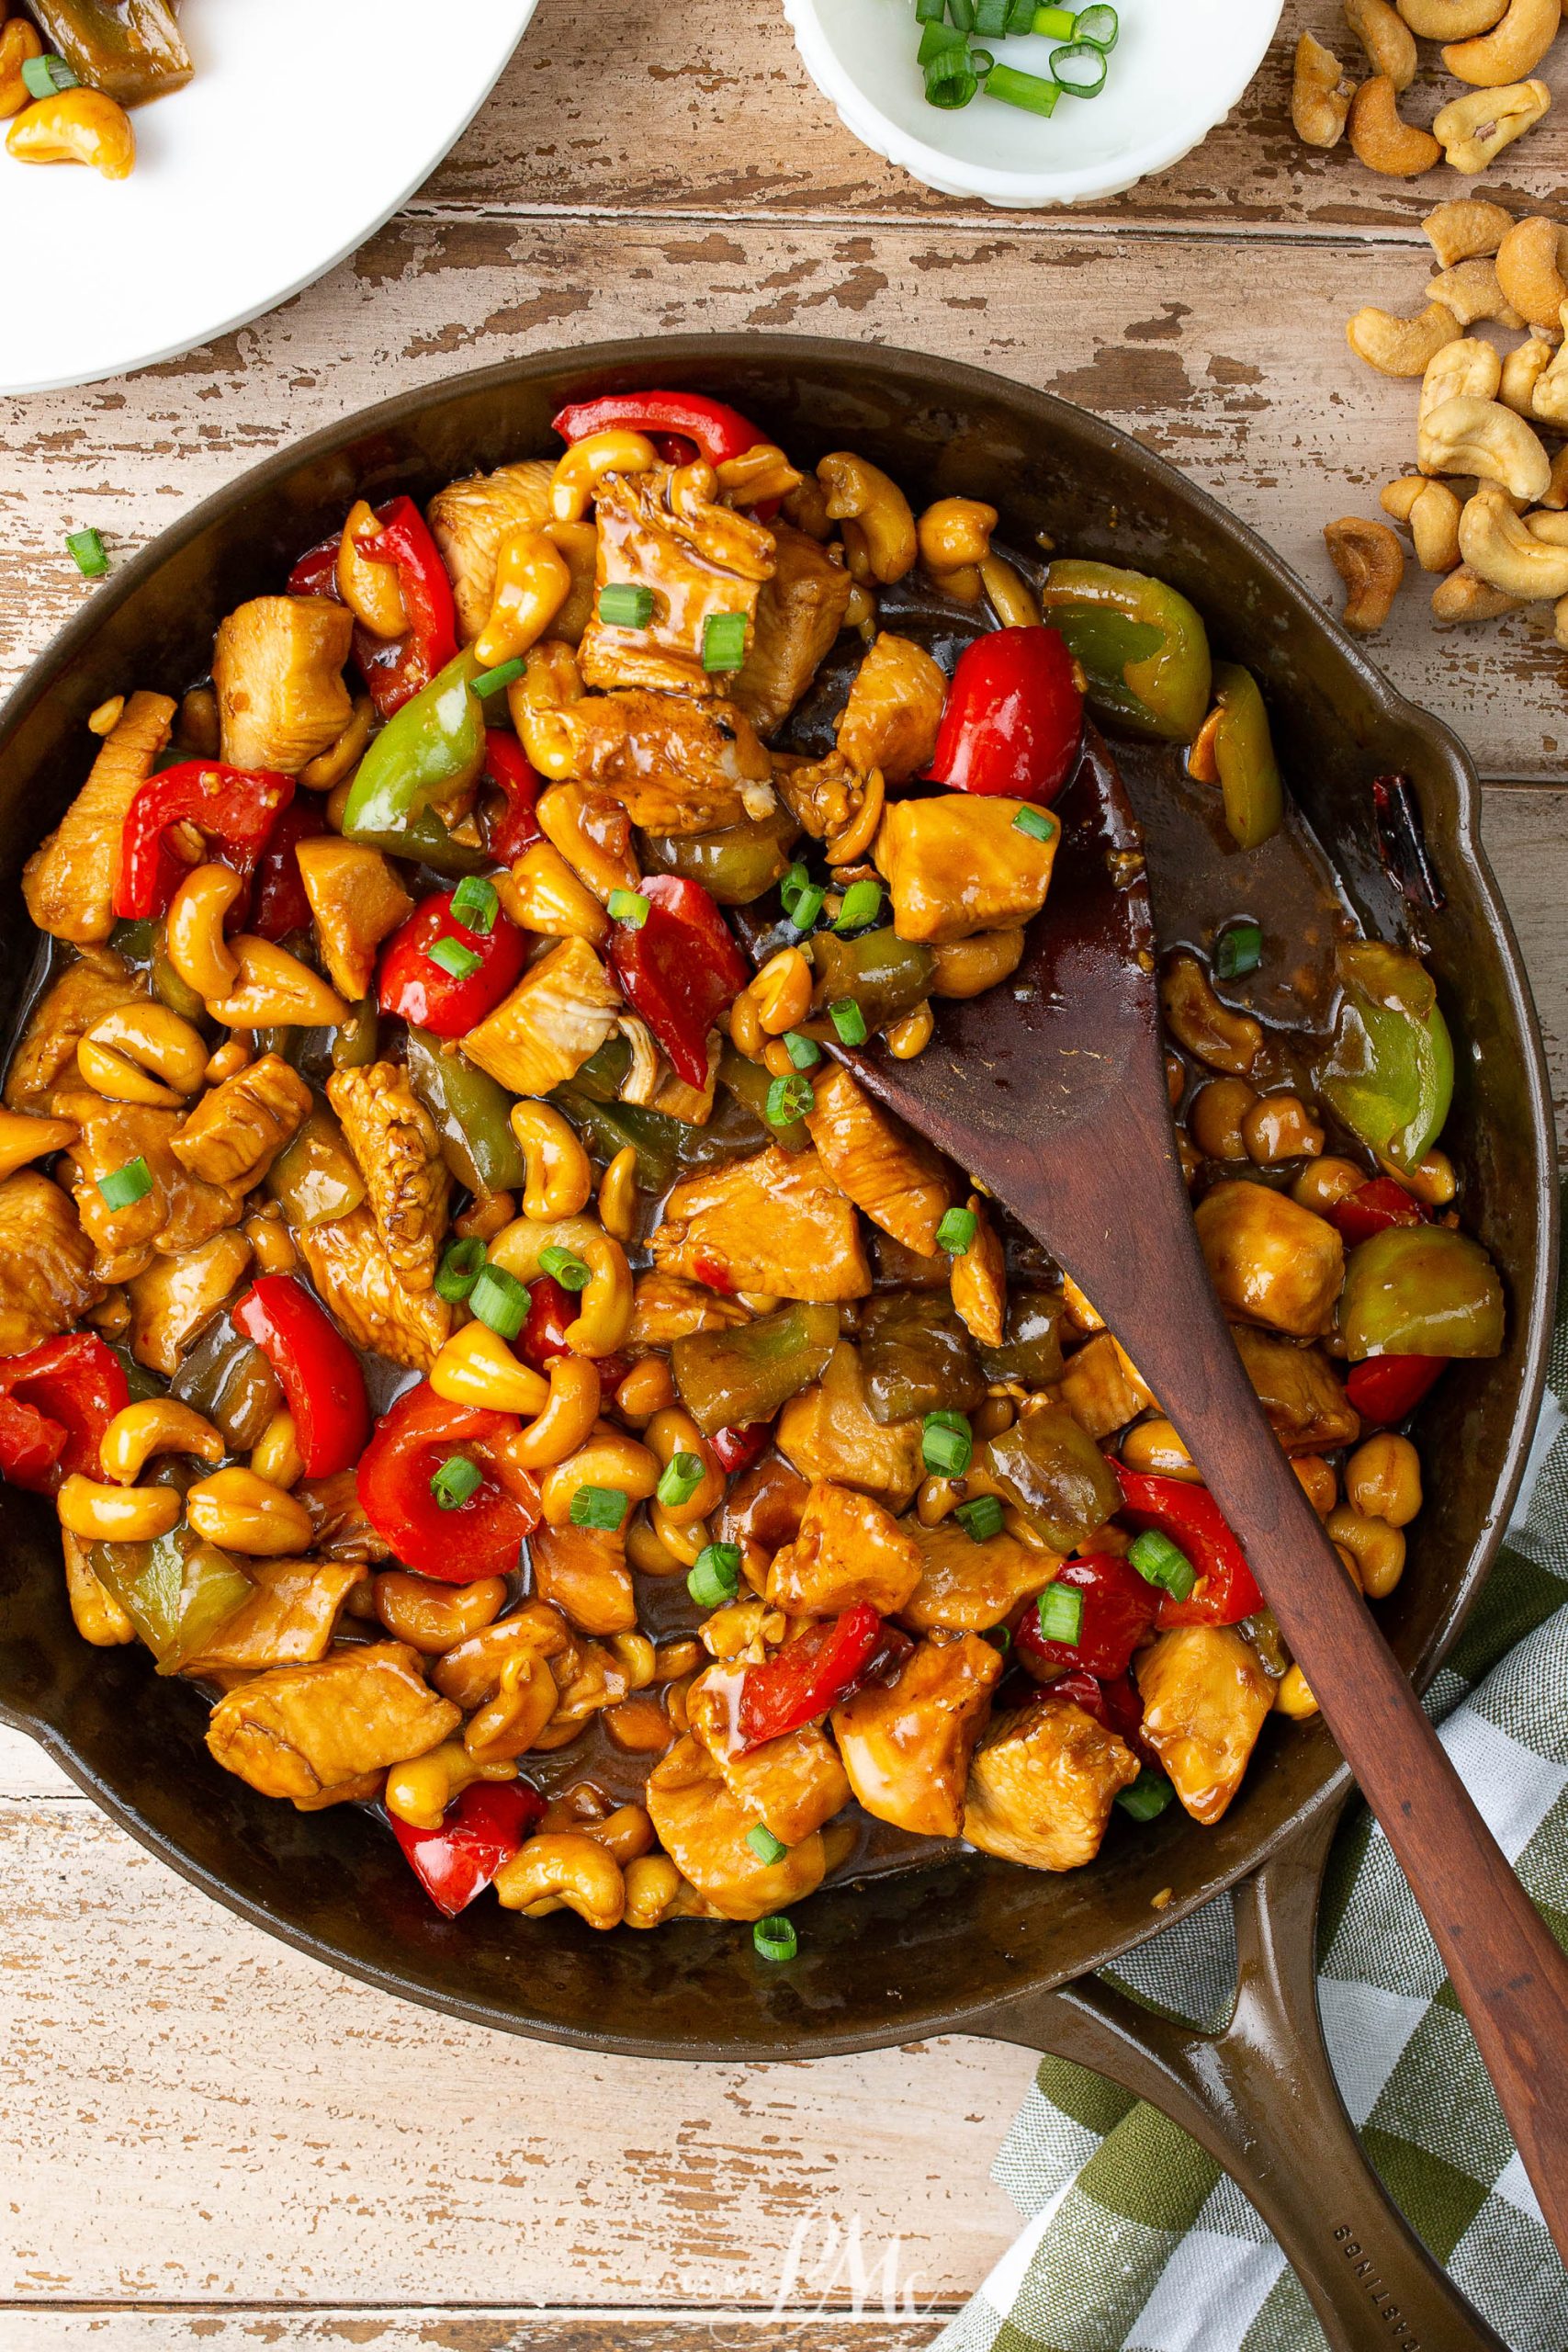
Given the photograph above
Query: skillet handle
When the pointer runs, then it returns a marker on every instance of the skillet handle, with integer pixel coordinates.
(1262, 2097)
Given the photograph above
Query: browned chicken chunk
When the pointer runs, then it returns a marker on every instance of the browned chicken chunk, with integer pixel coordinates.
(792, 1785)
(468, 521)
(1301, 1392)
(905, 1744)
(357, 901)
(675, 765)
(799, 613)
(583, 1572)
(339, 1527)
(657, 531)
(701, 1826)
(349, 1265)
(299, 1730)
(826, 797)
(288, 1620)
(1271, 1261)
(178, 1213)
(776, 1222)
(666, 1308)
(957, 865)
(557, 1016)
(848, 1548)
(393, 1137)
(277, 673)
(1101, 1388)
(894, 710)
(175, 1297)
(1205, 1696)
(238, 1127)
(1042, 1785)
(967, 1587)
(899, 1182)
(68, 883)
(829, 1432)
(97, 984)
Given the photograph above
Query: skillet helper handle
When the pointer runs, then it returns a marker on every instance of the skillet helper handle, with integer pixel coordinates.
(1262, 2097)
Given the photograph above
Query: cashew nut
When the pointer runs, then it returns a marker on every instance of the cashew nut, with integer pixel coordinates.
(578, 474)
(1449, 19)
(1514, 47)
(1501, 551)
(559, 1177)
(1468, 369)
(1471, 290)
(420, 1791)
(240, 1513)
(1550, 399)
(1558, 494)
(1382, 141)
(1320, 94)
(762, 471)
(372, 590)
(564, 1421)
(100, 1514)
(1013, 602)
(653, 1883)
(18, 41)
(23, 1137)
(604, 1307)
(1522, 371)
(1388, 40)
(1474, 130)
(432, 1618)
(591, 835)
(157, 1425)
(564, 1869)
(954, 537)
(1483, 437)
(673, 1432)
(1396, 498)
(879, 525)
(1397, 347)
(193, 931)
(1371, 561)
(476, 1367)
(1464, 227)
(542, 894)
(612, 1460)
(532, 580)
(276, 990)
(1549, 527)
(144, 1054)
(1434, 527)
(76, 126)
(1463, 597)
(1530, 269)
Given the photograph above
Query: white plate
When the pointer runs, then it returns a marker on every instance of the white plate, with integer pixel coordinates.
(1177, 70)
(305, 125)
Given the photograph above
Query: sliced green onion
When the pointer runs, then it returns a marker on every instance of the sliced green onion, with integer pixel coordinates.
(981, 60)
(85, 546)
(123, 1186)
(565, 1267)
(947, 1444)
(951, 83)
(1061, 1615)
(929, 12)
(1159, 1561)
(804, 1052)
(629, 906)
(1147, 1797)
(496, 681)
(1021, 17)
(459, 1271)
(861, 905)
(1025, 90)
(764, 1845)
(999, 1637)
(992, 19)
(1099, 24)
(956, 1232)
(44, 76)
(849, 1020)
(788, 1099)
(1035, 823)
(796, 881)
(457, 1479)
(625, 606)
(474, 904)
(980, 1519)
(723, 641)
(451, 957)
(808, 906)
(1238, 949)
(715, 1578)
(602, 1507)
(1055, 24)
(1079, 67)
(963, 13)
(500, 1301)
(775, 1938)
(683, 1473)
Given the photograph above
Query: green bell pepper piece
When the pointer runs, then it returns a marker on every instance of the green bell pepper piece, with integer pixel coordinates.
(734, 867)
(608, 1127)
(751, 1084)
(729, 1378)
(177, 1592)
(1142, 646)
(131, 49)
(1056, 1475)
(315, 1178)
(1389, 1072)
(1421, 1290)
(1244, 754)
(354, 1041)
(426, 753)
(603, 1075)
(885, 976)
(472, 1115)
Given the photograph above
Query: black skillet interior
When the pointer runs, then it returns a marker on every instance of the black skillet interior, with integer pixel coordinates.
(937, 1947)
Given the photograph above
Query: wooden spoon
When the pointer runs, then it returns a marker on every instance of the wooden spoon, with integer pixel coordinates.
(1051, 1090)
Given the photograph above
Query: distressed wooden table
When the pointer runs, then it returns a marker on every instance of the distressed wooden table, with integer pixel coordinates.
(204, 2137)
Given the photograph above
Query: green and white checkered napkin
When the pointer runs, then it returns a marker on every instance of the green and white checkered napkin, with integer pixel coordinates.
(1137, 2241)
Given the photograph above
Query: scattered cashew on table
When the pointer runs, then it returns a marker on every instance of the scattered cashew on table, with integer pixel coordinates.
(1493, 45)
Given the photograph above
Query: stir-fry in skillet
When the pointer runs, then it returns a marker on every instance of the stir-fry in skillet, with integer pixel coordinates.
(71, 71)
(493, 1342)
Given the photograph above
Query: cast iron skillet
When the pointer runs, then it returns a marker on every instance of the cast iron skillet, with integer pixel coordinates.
(970, 1944)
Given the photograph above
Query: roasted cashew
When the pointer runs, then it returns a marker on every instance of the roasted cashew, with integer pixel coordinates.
(514, 1717)
(476, 1367)
(1471, 290)
(1371, 561)
(1321, 92)
(276, 990)
(1434, 527)
(193, 931)
(240, 1513)
(653, 1885)
(1483, 438)
(144, 1054)
(431, 1617)
(157, 1425)
(1530, 269)
(532, 580)
(564, 1421)
(673, 1432)
(1500, 550)
(1464, 227)
(1396, 498)
(23, 1137)
(100, 1514)
(1382, 141)
(604, 1307)
(542, 894)
(617, 1202)
(552, 1870)
(610, 1459)
(762, 471)
(1388, 40)
(1397, 347)
(578, 475)
(954, 537)
(560, 1176)
(1470, 368)
(1475, 130)
(876, 520)
(1552, 528)
(275, 1455)
(1449, 19)
(1522, 370)
(1548, 400)
(420, 1791)
(372, 590)
(1461, 597)
(1514, 47)
(75, 126)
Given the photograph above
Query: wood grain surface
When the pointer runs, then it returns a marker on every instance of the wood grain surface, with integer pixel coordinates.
(205, 2138)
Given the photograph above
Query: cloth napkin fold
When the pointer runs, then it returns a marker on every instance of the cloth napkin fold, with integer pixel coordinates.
(1136, 2241)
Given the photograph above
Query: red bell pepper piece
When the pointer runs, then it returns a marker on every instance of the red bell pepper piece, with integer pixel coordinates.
(278, 904)
(319, 1372)
(480, 1830)
(1385, 1388)
(1014, 720)
(717, 432)
(56, 1401)
(1114, 1703)
(482, 1536)
(542, 1336)
(680, 970)
(235, 808)
(509, 832)
(738, 1449)
(1377, 1206)
(315, 572)
(395, 670)
(424, 993)
(1227, 1590)
(1118, 1609)
(814, 1672)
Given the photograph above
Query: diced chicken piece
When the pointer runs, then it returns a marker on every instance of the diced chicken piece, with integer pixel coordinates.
(97, 984)
(1042, 1785)
(95, 1613)
(238, 1127)
(1101, 1388)
(666, 1308)
(848, 1548)
(701, 1826)
(1270, 1260)
(339, 1527)
(699, 559)
(825, 797)
(179, 1212)
(349, 1266)
(300, 1730)
(906, 1744)
(775, 1223)
(1205, 1696)
(674, 764)
(287, 1620)
(393, 1139)
(828, 1432)
(1301, 1392)
(357, 901)
(277, 673)
(47, 1277)
(583, 1572)
(761, 1512)
(176, 1297)
(69, 881)
(901, 1184)
(468, 521)
(966, 1587)
(363, 1789)
(957, 865)
(792, 1785)
(692, 1105)
(980, 1281)
(799, 613)
(557, 1016)
(891, 718)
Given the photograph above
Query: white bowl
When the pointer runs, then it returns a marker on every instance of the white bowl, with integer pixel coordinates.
(1176, 71)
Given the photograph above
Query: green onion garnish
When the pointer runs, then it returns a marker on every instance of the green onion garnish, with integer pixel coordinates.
(929, 12)
(849, 1020)
(1098, 24)
(1079, 68)
(716, 1578)
(474, 904)
(451, 957)
(1238, 949)
(796, 881)
(981, 61)
(500, 1301)
(43, 77)
(935, 38)
(1035, 823)
(808, 906)
(956, 1232)
(947, 1444)
(1147, 1797)
(1061, 1615)
(788, 1099)
(980, 1519)
(602, 1507)
(1159, 1561)
(496, 681)
(85, 546)
(999, 1637)
(775, 1938)
(457, 1479)
(459, 1271)
(630, 906)
(124, 1186)
(565, 1267)
(1025, 90)
(723, 641)
(764, 1845)
(682, 1475)
(992, 19)
(625, 606)
(1055, 24)
(860, 906)
(804, 1052)
(1021, 17)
